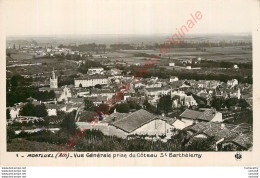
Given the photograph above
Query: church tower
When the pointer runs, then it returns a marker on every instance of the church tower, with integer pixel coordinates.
(53, 80)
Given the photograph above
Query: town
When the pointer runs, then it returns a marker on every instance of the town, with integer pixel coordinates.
(197, 97)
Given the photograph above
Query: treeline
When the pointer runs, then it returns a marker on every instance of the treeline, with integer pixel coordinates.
(91, 47)
(222, 64)
(116, 47)
(33, 110)
(19, 89)
(64, 80)
(193, 75)
(206, 44)
(89, 64)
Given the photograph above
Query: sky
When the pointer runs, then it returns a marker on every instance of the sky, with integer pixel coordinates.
(82, 17)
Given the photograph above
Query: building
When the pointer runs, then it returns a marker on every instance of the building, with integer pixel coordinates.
(91, 81)
(232, 83)
(174, 79)
(191, 117)
(141, 122)
(53, 80)
(93, 71)
(172, 64)
(181, 99)
(227, 137)
(65, 94)
(236, 66)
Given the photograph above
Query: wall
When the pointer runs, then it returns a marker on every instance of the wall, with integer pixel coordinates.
(217, 117)
(188, 122)
(113, 131)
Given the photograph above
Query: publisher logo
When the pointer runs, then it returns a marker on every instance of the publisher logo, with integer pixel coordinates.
(238, 156)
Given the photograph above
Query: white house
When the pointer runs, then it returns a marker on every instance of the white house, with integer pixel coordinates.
(174, 79)
(14, 112)
(172, 64)
(140, 122)
(232, 83)
(90, 81)
(93, 71)
(191, 117)
(66, 93)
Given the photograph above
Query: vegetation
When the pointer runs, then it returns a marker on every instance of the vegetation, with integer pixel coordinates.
(94, 140)
(19, 89)
(31, 110)
(165, 104)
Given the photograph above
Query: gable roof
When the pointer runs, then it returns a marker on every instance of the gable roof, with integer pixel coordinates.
(244, 140)
(114, 117)
(191, 114)
(134, 120)
(207, 115)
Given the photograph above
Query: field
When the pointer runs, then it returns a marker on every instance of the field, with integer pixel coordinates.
(42, 66)
(228, 54)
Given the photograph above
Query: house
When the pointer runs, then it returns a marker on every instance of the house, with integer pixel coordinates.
(157, 91)
(232, 83)
(93, 71)
(224, 135)
(173, 79)
(65, 94)
(52, 109)
(91, 81)
(172, 64)
(236, 66)
(76, 100)
(241, 142)
(14, 111)
(140, 122)
(191, 117)
(181, 99)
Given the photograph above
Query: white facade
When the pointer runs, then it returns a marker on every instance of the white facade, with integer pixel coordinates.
(174, 79)
(53, 80)
(52, 112)
(178, 124)
(232, 83)
(66, 93)
(14, 112)
(172, 64)
(93, 71)
(91, 82)
(217, 117)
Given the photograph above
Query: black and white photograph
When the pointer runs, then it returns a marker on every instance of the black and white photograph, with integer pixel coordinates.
(129, 76)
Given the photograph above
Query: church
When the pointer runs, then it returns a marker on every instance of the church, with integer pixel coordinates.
(53, 80)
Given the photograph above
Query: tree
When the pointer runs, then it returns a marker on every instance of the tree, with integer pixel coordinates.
(30, 110)
(98, 86)
(165, 104)
(243, 104)
(42, 110)
(231, 102)
(123, 108)
(68, 124)
(8, 116)
(89, 105)
(149, 107)
(27, 110)
(218, 103)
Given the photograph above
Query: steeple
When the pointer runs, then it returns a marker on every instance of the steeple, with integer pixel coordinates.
(53, 80)
(53, 74)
